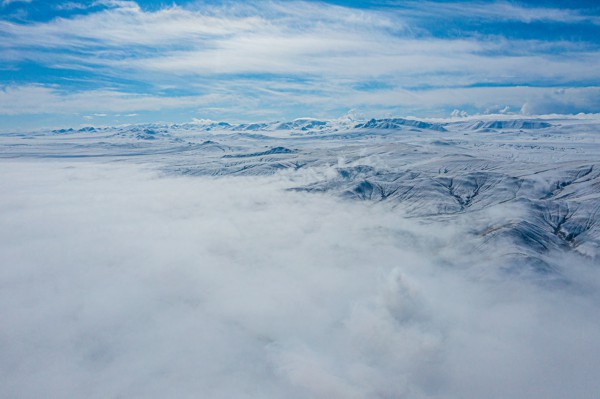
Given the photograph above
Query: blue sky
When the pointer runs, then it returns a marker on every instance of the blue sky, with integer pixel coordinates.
(71, 63)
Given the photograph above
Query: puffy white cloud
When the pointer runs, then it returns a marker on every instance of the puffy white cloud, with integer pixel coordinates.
(120, 281)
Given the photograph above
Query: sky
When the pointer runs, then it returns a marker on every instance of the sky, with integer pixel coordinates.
(107, 62)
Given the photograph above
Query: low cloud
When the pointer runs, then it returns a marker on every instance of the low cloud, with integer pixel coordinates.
(39, 99)
(122, 281)
(232, 102)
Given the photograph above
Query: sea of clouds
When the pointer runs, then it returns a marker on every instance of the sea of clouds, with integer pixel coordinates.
(119, 281)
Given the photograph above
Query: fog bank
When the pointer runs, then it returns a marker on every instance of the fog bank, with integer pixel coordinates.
(120, 281)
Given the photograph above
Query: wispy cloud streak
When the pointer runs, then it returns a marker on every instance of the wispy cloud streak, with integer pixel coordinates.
(500, 11)
(332, 50)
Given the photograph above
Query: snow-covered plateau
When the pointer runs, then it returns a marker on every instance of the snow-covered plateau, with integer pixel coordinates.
(385, 258)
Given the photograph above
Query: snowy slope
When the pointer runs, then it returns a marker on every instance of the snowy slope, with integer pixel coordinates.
(458, 172)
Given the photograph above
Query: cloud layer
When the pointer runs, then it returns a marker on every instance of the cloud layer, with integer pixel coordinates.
(118, 281)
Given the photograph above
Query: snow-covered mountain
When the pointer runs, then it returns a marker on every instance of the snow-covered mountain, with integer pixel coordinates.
(455, 170)
(398, 123)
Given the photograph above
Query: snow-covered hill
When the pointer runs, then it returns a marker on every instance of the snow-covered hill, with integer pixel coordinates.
(458, 171)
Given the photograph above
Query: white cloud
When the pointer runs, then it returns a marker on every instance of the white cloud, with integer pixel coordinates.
(125, 24)
(71, 5)
(555, 100)
(118, 281)
(323, 51)
(505, 11)
(300, 38)
(18, 100)
(7, 2)
(237, 99)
